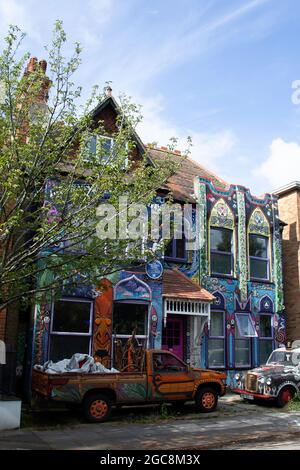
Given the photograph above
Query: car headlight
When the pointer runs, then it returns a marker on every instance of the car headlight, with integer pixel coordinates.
(269, 381)
(261, 380)
(237, 376)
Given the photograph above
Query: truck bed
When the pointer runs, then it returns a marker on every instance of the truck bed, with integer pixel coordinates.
(42, 383)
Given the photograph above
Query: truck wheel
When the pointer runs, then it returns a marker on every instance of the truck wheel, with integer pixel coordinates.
(285, 395)
(97, 408)
(206, 400)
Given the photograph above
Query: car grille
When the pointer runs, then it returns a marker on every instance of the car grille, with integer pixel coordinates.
(251, 382)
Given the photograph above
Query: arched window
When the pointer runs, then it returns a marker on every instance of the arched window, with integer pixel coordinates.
(221, 228)
(259, 246)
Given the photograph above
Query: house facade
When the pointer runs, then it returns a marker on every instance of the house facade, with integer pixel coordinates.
(219, 306)
(289, 211)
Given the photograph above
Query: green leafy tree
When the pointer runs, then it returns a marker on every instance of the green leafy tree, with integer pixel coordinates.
(51, 182)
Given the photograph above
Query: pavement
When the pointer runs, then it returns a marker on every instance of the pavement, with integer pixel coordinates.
(234, 425)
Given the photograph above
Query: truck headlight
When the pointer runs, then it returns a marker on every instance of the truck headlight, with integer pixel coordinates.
(261, 380)
(237, 377)
(269, 381)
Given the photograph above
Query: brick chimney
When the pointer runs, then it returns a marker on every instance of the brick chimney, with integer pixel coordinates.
(35, 66)
(108, 91)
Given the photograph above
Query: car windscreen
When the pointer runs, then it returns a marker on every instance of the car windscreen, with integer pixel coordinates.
(286, 358)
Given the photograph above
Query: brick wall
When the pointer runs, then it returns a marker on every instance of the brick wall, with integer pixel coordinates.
(289, 212)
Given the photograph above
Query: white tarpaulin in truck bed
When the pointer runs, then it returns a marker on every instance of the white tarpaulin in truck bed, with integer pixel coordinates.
(82, 363)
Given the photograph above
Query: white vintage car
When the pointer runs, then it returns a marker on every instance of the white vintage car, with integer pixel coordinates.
(278, 380)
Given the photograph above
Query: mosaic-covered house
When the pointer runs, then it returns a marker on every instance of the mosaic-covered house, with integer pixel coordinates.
(219, 306)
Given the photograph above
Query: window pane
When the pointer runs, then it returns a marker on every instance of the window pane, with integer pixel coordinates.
(265, 326)
(63, 346)
(221, 264)
(265, 349)
(169, 249)
(258, 246)
(167, 363)
(245, 327)
(180, 247)
(215, 352)
(71, 317)
(221, 239)
(259, 269)
(105, 144)
(129, 318)
(242, 352)
(92, 142)
(217, 324)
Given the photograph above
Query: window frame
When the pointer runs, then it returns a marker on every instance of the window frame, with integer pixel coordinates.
(259, 258)
(173, 257)
(222, 253)
(263, 338)
(107, 137)
(72, 333)
(220, 338)
(247, 338)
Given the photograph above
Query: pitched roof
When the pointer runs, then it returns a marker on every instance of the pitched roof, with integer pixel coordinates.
(177, 285)
(181, 184)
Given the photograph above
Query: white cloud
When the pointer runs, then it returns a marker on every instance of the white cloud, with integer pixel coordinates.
(101, 10)
(208, 147)
(13, 12)
(282, 164)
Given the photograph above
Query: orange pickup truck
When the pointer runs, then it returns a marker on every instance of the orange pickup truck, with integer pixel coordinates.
(163, 378)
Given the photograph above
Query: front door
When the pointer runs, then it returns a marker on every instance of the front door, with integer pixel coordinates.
(172, 339)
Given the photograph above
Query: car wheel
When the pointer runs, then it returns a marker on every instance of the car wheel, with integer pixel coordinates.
(285, 395)
(97, 408)
(206, 400)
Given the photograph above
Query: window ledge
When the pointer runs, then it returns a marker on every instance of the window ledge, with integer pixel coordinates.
(261, 281)
(177, 260)
(224, 276)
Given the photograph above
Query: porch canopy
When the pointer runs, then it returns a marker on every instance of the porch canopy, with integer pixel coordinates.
(182, 296)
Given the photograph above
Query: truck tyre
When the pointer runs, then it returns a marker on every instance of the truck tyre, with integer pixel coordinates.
(285, 395)
(206, 400)
(97, 408)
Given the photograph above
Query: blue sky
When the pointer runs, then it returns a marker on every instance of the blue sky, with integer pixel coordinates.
(220, 71)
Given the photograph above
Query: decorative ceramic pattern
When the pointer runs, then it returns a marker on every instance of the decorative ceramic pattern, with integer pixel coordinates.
(242, 242)
(258, 223)
(277, 271)
(203, 262)
(221, 215)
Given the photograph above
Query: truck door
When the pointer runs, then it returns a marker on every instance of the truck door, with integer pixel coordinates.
(171, 378)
